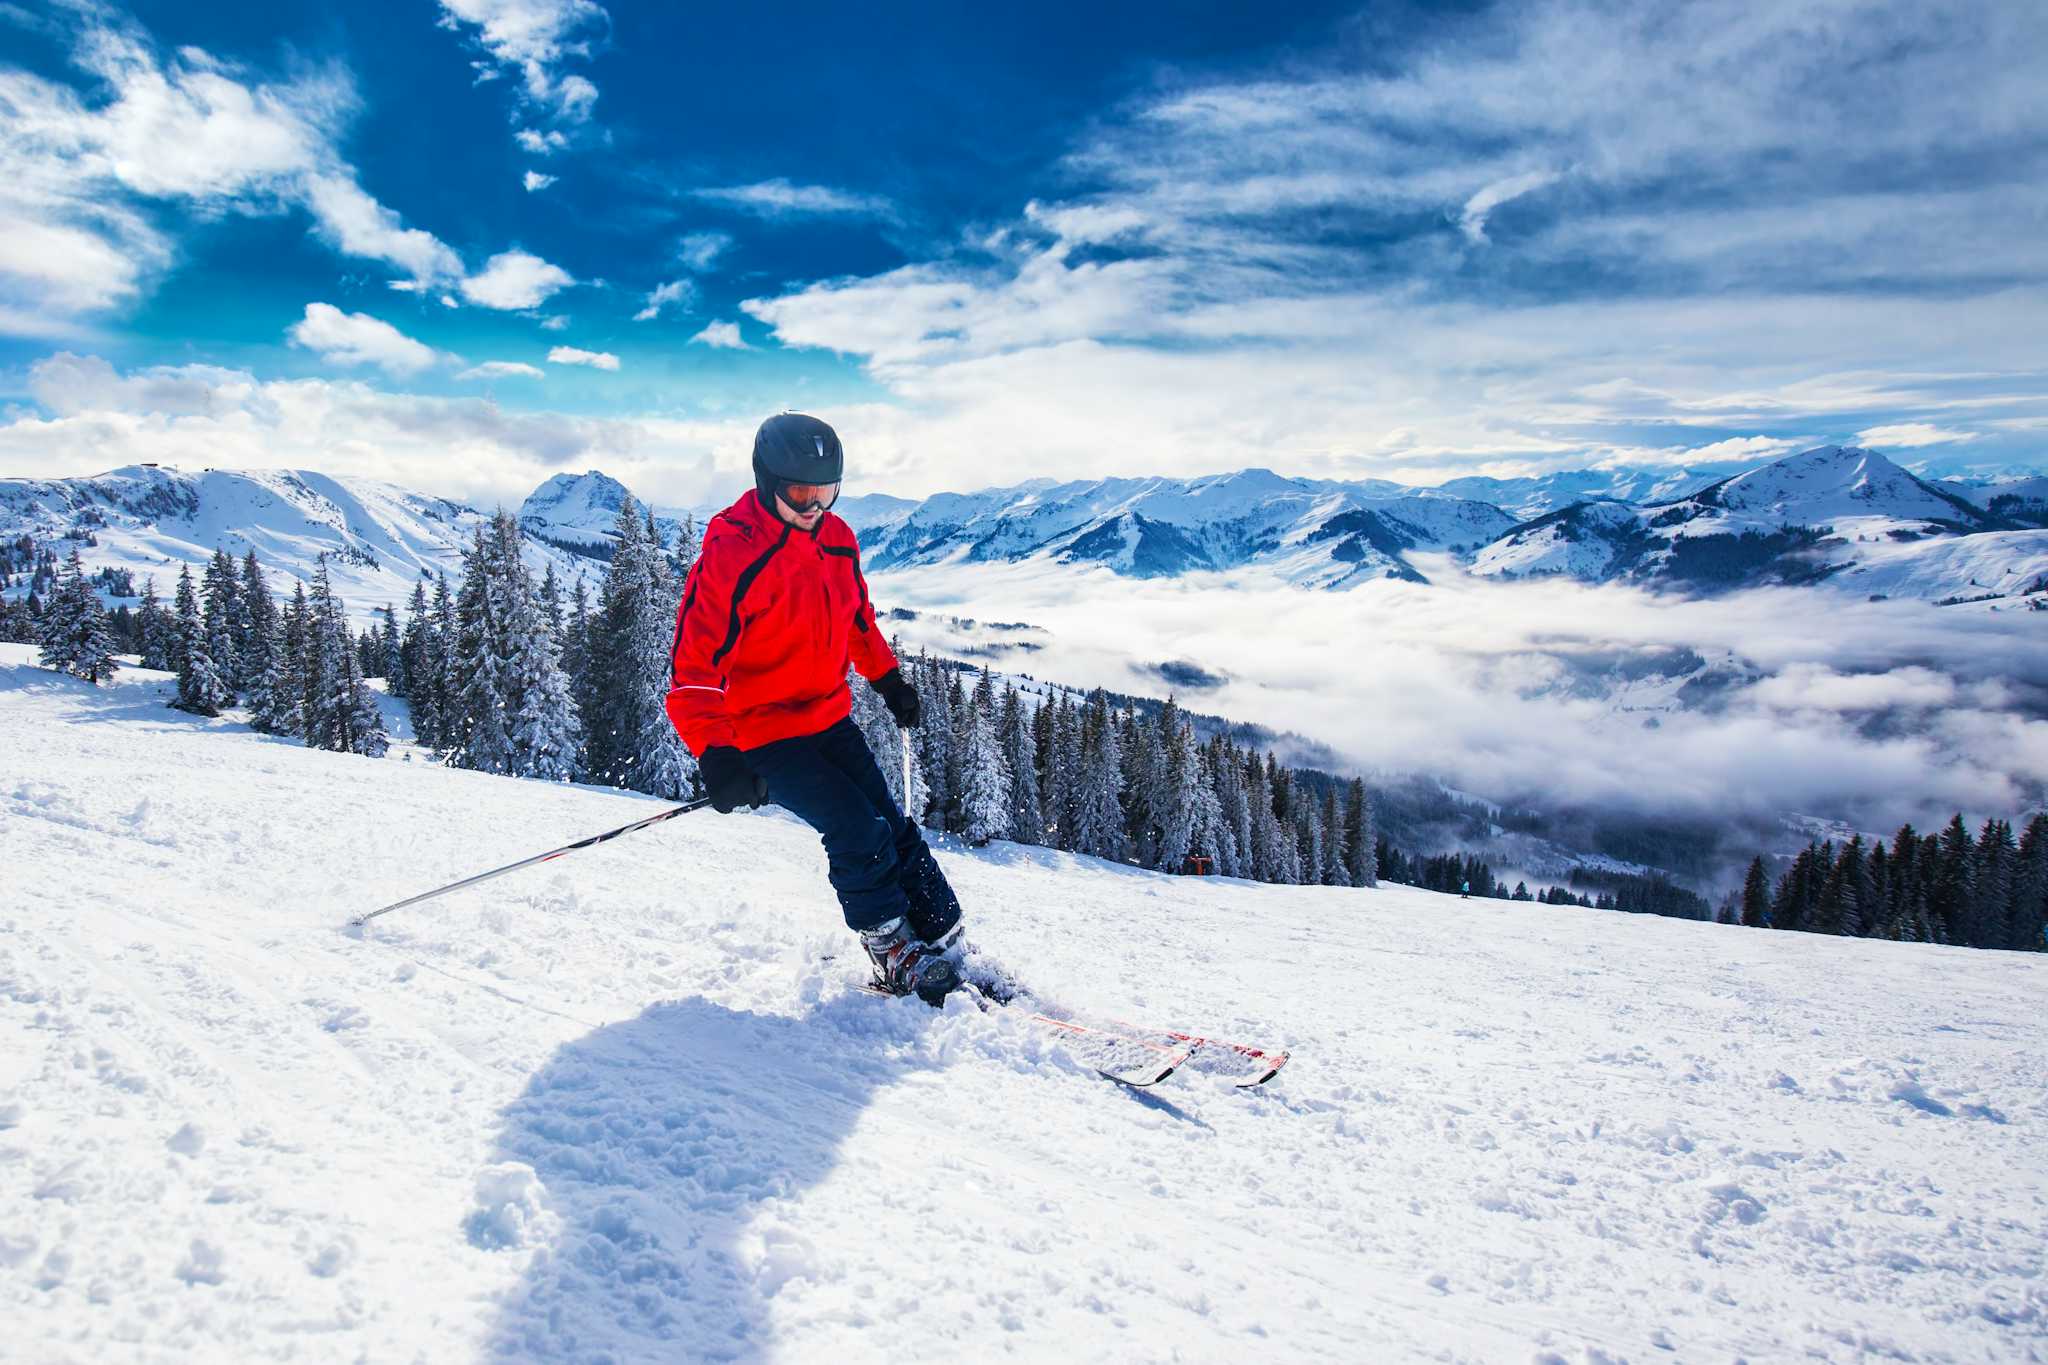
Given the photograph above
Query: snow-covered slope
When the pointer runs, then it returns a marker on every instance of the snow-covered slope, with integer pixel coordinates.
(1590, 540)
(377, 537)
(619, 1108)
(1316, 533)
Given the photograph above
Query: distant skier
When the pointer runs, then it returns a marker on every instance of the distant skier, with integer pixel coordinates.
(1465, 889)
(771, 615)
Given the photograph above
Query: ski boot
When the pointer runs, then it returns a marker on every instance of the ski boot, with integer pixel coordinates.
(907, 965)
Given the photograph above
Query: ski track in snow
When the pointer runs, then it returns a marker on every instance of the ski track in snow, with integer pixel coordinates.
(619, 1108)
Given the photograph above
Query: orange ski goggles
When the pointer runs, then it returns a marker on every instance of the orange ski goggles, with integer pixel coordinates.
(805, 498)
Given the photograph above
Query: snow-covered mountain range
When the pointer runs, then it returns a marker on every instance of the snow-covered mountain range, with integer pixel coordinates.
(1837, 513)
(1842, 515)
(376, 538)
(1314, 532)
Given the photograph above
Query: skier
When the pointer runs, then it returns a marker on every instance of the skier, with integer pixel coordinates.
(771, 614)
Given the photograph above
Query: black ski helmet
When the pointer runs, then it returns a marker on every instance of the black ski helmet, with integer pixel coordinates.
(792, 447)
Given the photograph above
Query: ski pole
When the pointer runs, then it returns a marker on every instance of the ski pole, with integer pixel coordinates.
(671, 814)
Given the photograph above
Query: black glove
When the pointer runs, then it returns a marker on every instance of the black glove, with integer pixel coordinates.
(900, 697)
(729, 780)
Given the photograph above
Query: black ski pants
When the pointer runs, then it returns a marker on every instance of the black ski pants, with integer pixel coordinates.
(875, 856)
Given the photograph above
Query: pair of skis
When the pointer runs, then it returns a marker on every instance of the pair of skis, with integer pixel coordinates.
(1160, 1054)
(1129, 1054)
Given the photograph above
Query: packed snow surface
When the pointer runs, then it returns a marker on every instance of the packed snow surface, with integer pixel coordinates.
(618, 1107)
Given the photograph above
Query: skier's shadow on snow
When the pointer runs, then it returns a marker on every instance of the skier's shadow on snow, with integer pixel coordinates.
(655, 1142)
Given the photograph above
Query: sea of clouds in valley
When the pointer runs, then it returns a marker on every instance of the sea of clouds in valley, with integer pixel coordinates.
(1814, 702)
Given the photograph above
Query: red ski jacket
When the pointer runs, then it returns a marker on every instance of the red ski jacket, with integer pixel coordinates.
(769, 619)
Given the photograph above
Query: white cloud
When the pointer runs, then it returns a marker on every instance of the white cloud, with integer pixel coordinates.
(558, 323)
(534, 180)
(502, 369)
(533, 38)
(1472, 221)
(779, 198)
(465, 447)
(1495, 687)
(697, 252)
(681, 293)
(359, 339)
(77, 174)
(359, 226)
(570, 355)
(538, 142)
(723, 335)
(513, 280)
(1291, 273)
(1909, 435)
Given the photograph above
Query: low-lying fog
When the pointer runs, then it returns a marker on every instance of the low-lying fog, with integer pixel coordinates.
(1800, 701)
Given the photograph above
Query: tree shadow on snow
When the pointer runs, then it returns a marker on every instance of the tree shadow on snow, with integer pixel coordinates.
(652, 1144)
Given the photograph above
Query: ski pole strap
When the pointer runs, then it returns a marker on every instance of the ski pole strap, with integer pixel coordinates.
(670, 814)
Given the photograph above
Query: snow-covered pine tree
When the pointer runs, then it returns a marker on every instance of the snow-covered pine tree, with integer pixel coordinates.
(932, 741)
(74, 633)
(1144, 786)
(628, 738)
(984, 772)
(545, 734)
(221, 612)
(184, 607)
(1361, 838)
(1330, 869)
(663, 763)
(390, 656)
(1267, 862)
(1207, 832)
(1308, 839)
(1070, 770)
(1045, 753)
(954, 698)
(551, 602)
(1996, 855)
(1954, 901)
(1100, 815)
(201, 690)
(1226, 775)
(357, 723)
(1175, 802)
(329, 650)
(412, 640)
(481, 722)
(2030, 889)
(159, 631)
(1020, 755)
(412, 663)
(256, 650)
(1285, 799)
(577, 669)
(273, 698)
(441, 663)
(287, 708)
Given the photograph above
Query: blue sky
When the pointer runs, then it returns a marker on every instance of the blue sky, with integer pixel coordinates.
(465, 245)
